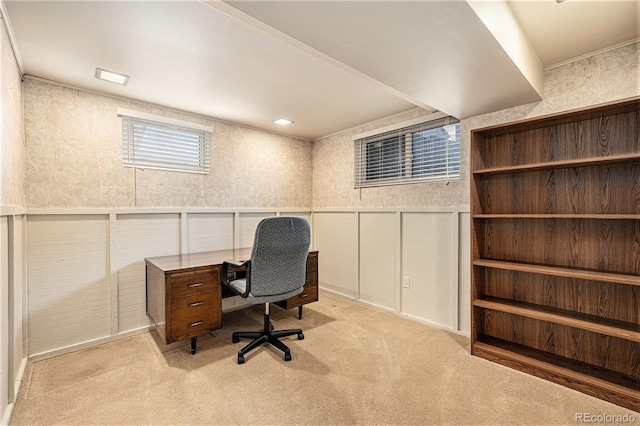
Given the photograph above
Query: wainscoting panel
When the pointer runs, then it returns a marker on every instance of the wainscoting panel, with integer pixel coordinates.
(86, 271)
(209, 231)
(69, 282)
(379, 246)
(248, 222)
(138, 236)
(336, 237)
(429, 257)
(411, 262)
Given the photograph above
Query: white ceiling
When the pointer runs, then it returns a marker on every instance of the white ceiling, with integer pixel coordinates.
(574, 28)
(326, 65)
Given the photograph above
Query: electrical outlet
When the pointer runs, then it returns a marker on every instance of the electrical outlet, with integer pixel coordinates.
(405, 282)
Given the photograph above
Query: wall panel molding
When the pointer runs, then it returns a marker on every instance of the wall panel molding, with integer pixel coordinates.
(368, 251)
(351, 242)
(61, 237)
(12, 210)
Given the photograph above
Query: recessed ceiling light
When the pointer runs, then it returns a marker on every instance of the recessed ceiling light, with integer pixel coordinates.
(111, 76)
(283, 121)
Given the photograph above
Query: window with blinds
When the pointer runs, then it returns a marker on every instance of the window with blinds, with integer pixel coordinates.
(166, 146)
(407, 154)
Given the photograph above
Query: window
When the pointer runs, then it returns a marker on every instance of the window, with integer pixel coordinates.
(154, 142)
(385, 159)
(415, 151)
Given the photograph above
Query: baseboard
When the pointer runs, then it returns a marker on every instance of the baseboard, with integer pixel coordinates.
(99, 341)
(7, 414)
(336, 293)
(411, 317)
(6, 417)
(72, 348)
(18, 382)
(435, 325)
(375, 306)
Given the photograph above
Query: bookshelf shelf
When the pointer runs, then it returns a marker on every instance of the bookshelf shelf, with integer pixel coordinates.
(558, 216)
(561, 272)
(550, 165)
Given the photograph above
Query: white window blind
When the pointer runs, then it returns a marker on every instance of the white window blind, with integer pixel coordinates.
(418, 152)
(165, 145)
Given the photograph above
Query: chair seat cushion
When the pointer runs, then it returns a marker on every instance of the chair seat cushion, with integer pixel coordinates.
(240, 286)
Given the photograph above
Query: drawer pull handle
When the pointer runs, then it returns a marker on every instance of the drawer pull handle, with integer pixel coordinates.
(191, 305)
(195, 324)
(304, 294)
(195, 285)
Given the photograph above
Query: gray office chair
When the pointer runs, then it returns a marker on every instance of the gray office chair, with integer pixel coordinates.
(276, 271)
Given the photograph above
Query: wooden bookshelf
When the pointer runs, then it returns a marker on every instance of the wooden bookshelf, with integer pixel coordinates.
(555, 223)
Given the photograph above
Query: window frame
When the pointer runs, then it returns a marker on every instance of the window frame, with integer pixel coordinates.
(406, 163)
(189, 142)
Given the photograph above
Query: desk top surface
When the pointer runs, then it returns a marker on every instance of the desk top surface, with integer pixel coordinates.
(178, 262)
(195, 260)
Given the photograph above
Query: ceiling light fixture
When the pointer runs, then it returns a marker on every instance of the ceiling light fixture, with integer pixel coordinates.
(111, 76)
(283, 121)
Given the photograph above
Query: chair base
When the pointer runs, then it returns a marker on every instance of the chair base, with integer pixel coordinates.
(267, 335)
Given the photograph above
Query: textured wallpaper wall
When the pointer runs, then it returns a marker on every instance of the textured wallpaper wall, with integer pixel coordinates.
(11, 129)
(606, 77)
(74, 159)
(333, 171)
(73, 151)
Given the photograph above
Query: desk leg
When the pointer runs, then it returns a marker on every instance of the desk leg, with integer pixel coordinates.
(300, 312)
(194, 342)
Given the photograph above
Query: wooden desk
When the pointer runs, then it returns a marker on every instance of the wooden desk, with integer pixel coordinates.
(184, 292)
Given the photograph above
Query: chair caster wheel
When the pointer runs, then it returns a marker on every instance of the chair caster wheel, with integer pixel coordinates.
(240, 359)
(300, 336)
(235, 339)
(272, 327)
(287, 356)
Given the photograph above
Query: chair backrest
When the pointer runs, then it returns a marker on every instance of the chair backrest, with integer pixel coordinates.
(279, 255)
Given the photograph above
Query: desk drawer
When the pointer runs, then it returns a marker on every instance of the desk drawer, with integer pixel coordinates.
(308, 295)
(194, 315)
(195, 283)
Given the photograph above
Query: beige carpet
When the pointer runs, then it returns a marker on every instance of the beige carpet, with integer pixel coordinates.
(356, 365)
